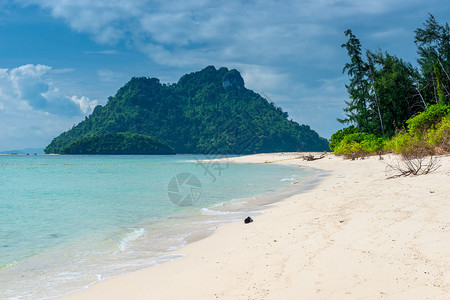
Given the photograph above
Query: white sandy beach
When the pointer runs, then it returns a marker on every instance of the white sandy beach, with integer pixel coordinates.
(357, 235)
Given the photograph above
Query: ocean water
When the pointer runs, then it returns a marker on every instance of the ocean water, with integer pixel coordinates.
(67, 222)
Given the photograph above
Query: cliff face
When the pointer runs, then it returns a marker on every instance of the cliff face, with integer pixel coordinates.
(233, 79)
(209, 111)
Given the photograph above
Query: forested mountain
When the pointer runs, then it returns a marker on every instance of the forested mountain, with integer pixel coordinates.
(209, 111)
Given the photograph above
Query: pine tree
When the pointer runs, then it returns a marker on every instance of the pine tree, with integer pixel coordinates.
(433, 47)
(358, 89)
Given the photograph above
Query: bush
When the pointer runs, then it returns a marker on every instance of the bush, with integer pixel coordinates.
(418, 125)
(359, 145)
(337, 137)
(428, 134)
(400, 142)
(409, 146)
(439, 137)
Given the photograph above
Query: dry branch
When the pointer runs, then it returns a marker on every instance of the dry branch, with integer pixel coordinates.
(412, 166)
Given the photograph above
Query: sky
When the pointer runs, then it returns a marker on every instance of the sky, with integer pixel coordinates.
(61, 58)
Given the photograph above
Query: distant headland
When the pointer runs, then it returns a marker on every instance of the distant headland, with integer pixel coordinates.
(209, 111)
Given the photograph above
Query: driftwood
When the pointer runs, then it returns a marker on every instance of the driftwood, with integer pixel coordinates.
(311, 157)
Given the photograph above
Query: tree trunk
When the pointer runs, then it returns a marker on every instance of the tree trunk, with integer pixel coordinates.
(376, 102)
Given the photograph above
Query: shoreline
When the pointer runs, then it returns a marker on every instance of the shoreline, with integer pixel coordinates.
(220, 214)
(140, 245)
(354, 235)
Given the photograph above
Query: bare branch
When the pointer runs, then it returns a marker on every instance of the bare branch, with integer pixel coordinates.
(412, 166)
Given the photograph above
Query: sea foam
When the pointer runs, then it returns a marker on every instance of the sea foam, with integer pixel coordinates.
(289, 178)
(132, 236)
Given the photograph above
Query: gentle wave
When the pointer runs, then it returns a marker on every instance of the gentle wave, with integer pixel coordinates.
(136, 234)
(210, 212)
(289, 178)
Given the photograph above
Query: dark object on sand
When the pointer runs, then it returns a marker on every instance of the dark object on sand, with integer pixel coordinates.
(311, 157)
(248, 220)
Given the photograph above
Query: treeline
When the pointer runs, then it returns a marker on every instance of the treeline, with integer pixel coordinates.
(386, 93)
(119, 143)
(209, 111)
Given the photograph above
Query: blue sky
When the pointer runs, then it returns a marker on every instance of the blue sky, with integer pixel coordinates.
(60, 58)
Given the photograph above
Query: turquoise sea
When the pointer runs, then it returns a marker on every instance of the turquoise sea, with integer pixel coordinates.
(69, 221)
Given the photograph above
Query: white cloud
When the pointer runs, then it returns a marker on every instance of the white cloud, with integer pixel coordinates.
(263, 79)
(33, 110)
(200, 33)
(86, 105)
(104, 20)
(28, 88)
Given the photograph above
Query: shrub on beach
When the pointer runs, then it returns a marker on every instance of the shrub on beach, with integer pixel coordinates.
(408, 145)
(401, 141)
(359, 144)
(339, 135)
(438, 137)
(421, 123)
(428, 133)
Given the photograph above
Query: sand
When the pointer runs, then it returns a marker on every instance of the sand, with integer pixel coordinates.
(357, 235)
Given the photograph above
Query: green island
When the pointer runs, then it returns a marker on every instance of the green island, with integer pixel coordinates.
(208, 112)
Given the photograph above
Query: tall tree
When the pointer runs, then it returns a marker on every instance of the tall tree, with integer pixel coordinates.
(382, 90)
(433, 47)
(372, 70)
(358, 89)
(385, 91)
(394, 89)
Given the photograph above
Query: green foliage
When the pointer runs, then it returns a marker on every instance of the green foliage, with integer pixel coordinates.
(394, 87)
(359, 144)
(409, 146)
(385, 91)
(402, 142)
(197, 115)
(381, 90)
(438, 137)
(118, 143)
(428, 133)
(358, 88)
(418, 125)
(339, 135)
(439, 84)
(433, 47)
